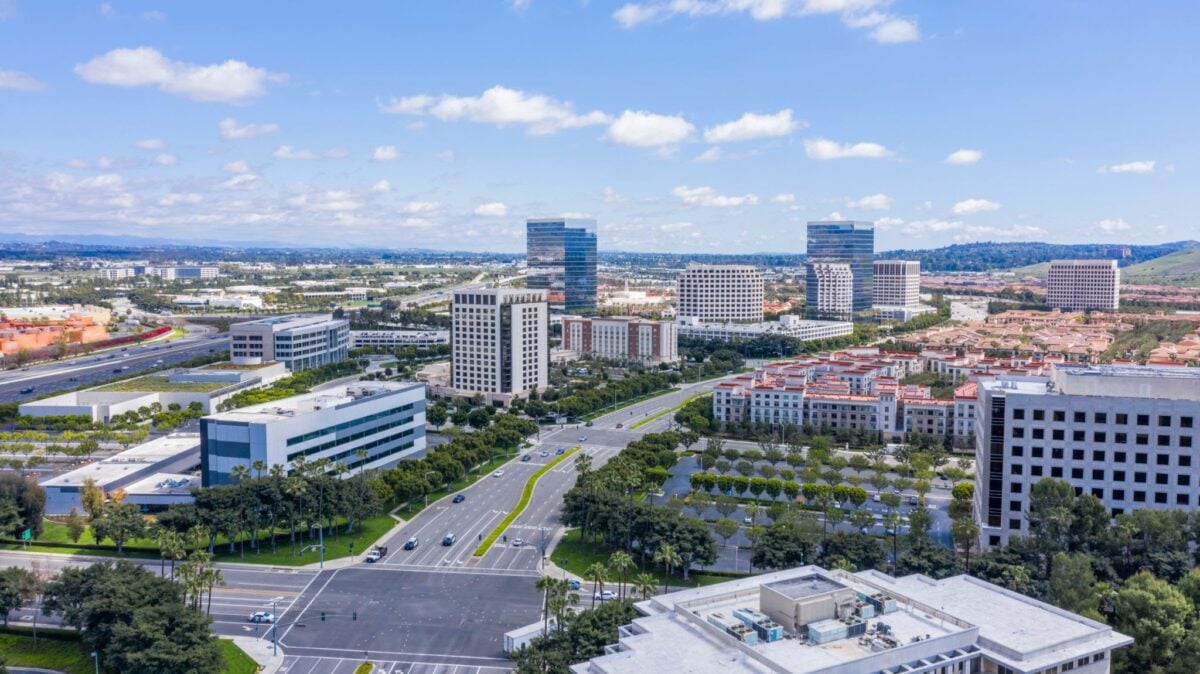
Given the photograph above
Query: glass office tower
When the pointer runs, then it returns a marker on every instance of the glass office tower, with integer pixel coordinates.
(561, 254)
(843, 242)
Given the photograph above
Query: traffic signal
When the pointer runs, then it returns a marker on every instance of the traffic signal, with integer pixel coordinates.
(354, 616)
(322, 616)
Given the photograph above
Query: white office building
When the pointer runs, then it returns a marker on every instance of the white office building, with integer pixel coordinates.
(1081, 285)
(391, 339)
(500, 342)
(811, 621)
(1125, 434)
(724, 292)
(386, 419)
(788, 325)
(300, 341)
(179, 273)
(897, 283)
(835, 288)
(624, 338)
(171, 455)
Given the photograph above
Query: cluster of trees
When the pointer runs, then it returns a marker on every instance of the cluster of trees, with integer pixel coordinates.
(296, 384)
(22, 504)
(587, 400)
(578, 637)
(474, 412)
(139, 622)
(442, 465)
(776, 346)
(603, 506)
(987, 256)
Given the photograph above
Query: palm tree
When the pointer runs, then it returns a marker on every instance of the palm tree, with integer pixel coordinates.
(211, 577)
(295, 489)
(239, 473)
(645, 584)
(546, 585)
(596, 573)
(259, 466)
(669, 558)
(361, 454)
(621, 563)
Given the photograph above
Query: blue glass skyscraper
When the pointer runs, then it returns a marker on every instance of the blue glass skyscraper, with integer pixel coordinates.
(561, 255)
(844, 242)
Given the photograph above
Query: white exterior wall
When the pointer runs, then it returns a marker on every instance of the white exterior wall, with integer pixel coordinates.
(500, 342)
(1084, 285)
(835, 288)
(897, 283)
(721, 293)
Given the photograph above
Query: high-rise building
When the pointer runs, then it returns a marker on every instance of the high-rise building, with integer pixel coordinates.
(561, 259)
(844, 242)
(897, 283)
(300, 341)
(622, 337)
(835, 288)
(499, 340)
(1124, 434)
(720, 292)
(1083, 285)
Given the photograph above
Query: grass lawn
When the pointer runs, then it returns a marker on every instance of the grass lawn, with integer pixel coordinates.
(236, 660)
(158, 384)
(54, 650)
(569, 556)
(526, 494)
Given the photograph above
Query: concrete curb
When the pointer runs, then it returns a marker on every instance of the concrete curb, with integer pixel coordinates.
(259, 649)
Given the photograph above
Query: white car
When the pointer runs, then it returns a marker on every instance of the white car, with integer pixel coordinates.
(605, 595)
(748, 520)
(498, 473)
(263, 617)
(518, 542)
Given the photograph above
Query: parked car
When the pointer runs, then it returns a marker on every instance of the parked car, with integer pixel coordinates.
(27, 390)
(876, 498)
(605, 595)
(262, 617)
(459, 498)
(912, 500)
(747, 520)
(412, 543)
(448, 540)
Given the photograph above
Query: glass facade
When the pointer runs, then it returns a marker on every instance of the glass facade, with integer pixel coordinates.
(844, 242)
(561, 255)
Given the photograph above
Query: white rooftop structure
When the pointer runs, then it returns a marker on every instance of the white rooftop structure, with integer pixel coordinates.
(811, 621)
(170, 454)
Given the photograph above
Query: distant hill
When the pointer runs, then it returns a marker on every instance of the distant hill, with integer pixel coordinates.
(989, 256)
(1180, 268)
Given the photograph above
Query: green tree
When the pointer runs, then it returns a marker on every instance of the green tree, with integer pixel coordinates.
(1155, 615)
(620, 563)
(92, 498)
(17, 586)
(726, 529)
(669, 558)
(597, 573)
(76, 525)
(121, 522)
(644, 584)
(1073, 585)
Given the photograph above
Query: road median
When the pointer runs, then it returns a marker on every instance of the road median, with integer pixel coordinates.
(526, 495)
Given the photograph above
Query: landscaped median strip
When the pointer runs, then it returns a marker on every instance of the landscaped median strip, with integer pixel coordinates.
(658, 415)
(526, 494)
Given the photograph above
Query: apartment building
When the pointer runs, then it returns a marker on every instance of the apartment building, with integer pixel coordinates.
(835, 289)
(384, 419)
(809, 620)
(499, 340)
(1084, 285)
(300, 341)
(624, 338)
(720, 293)
(1126, 434)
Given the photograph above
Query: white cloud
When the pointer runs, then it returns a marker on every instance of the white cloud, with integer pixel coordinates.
(856, 14)
(492, 209)
(785, 198)
(332, 201)
(228, 82)
(1145, 166)
(336, 152)
(104, 162)
(969, 206)
(612, 196)
(922, 227)
(823, 149)
(106, 9)
(707, 196)
(752, 126)
(963, 157)
(166, 159)
(231, 130)
(385, 153)
(446, 155)
(421, 207)
(180, 198)
(578, 215)
(500, 106)
(519, 5)
(646, 129)
(873, 202)
(15, 79)
(888, 223)
(1113, 225)
(288, 152)
(154, 15)
(895, 31)
(381, 186)
(238, 166)
(150, 144)
(711, 154)
(77, 163)
(241, 181)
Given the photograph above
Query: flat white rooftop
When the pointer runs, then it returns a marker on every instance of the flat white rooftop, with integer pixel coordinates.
(307, 403)
(1168, 382)
(147, 455)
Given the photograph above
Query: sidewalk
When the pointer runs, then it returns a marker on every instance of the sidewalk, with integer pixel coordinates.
(260, 650)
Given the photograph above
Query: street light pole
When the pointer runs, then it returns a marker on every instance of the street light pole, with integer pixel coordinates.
(274, 627)
(96, 659)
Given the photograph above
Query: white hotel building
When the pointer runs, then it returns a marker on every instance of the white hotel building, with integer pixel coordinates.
(500, 342)
(1125, 434)
(1082, 285)
(623, 338)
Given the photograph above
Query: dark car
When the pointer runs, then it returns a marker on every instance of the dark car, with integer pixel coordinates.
(27, 390)
(412, 543)
(459, 498)
(448, 540)
(525, 458)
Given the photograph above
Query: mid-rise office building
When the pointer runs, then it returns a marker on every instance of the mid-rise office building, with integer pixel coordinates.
(834, 288)
(624, 338)
(1083, 285)
(499, 341)
(788, 325)
(561, 259)
(300, 341)
(844, 242)
(385, 419)
(175, 273)
(421, 339)
(808, 620)
(1125, 434)
(897, 283)
(720, 292)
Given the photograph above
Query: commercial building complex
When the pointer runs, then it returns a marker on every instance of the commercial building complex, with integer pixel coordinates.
(386, 419)
(164, 273)
(811, 621)
(300, 341)
(1125, 434)
(787, 326)
(561, 259)
(1084, 285)
(726, 292)
(17, 336)
(841, 242)
(500, 342)
(625, 338)
(422, 339)
(138, 472)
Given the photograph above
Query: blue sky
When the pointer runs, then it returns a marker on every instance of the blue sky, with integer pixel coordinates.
(680, 125)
